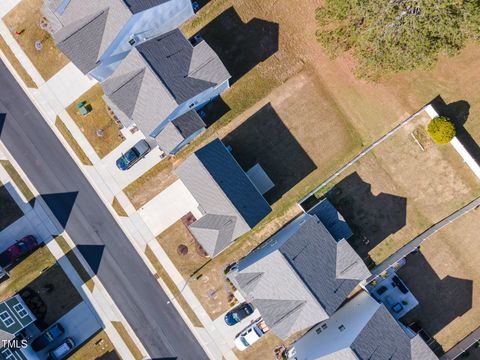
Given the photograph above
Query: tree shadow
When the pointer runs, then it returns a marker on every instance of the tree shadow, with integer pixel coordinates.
(264, 139)
(458, 111)
(61, 205)
(241, 46)
(440, 300)
(372, 217)
(92, 255)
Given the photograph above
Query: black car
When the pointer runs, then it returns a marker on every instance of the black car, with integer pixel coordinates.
(138, 151)
(48, 337)
(238, 313)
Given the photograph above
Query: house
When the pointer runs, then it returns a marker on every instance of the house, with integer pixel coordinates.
(230, 203)
(15, 316)
(362, 329)
(302, 274)
(97, 34)
(162, 83)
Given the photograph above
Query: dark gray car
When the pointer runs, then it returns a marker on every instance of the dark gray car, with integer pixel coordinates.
(138, 151)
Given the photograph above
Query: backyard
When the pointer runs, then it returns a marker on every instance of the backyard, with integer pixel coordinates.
(447, 267)
(401, 188)
(24, 23)
(98, 126)
(97, 347)
(9, 211)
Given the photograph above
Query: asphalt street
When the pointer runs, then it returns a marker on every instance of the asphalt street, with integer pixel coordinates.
(121, 270)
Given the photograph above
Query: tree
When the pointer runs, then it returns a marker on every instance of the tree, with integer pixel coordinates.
(389, 36)
(441, 130)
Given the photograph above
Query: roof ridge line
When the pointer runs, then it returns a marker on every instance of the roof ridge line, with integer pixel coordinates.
(101, 12)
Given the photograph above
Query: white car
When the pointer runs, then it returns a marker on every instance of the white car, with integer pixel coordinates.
(251, 334)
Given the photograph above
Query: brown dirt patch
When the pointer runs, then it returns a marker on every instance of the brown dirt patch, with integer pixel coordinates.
(16, 64)
(25, 18)
(98, 118)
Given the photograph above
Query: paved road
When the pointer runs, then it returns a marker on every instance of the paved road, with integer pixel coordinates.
(122, 272)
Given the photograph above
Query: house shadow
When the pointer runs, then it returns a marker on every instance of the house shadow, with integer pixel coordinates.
(458, 112)
(372, 218)
(9, 209)
(92, 255)
(264, 139)
(440, 300)
(241, 46)
(2, 122)
(61, 206)
(214, 110)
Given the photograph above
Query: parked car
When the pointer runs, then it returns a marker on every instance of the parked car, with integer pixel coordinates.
(251, 334)
(62, 350)
(48, 337)
(15, 252)
(238, 313)
(132, 156)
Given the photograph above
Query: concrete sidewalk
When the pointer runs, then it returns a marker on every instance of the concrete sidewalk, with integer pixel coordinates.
(37, 219)
(141, 226)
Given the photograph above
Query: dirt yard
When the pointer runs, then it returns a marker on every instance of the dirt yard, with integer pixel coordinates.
(24, 23)
(398, 190)
(97, 119)
(445, 279)
(210, 286)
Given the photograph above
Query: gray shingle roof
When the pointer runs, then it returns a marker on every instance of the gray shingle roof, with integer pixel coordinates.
(224, 192)
(332, 219)
(151, 98)
(185, 71)
(84, 29)
(320, 273)
(137, 6)
(383, 338)
(178, 130)
(362, 329)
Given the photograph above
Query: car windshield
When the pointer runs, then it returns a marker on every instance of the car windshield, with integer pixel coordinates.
(244, 342)
(22, 245)
(130, 155)
(236, 317)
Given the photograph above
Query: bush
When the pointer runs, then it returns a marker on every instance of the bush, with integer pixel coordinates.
(441, 130)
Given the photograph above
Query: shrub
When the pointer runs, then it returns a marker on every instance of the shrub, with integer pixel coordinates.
(441, 130)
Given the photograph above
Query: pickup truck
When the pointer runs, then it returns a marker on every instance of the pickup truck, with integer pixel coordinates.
(251, 334)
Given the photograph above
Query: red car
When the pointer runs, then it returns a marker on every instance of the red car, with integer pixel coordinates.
(18, 250)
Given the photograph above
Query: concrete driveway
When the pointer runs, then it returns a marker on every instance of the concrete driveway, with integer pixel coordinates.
(120, 179)
(80, 324)
(168, 207)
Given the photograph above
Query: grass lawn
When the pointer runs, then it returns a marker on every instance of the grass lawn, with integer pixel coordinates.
(27, 271)
(98, 118)
(67, 135)
(96, 347)
(211, 289)
(162, 274)
(9, 211)
(118, 207)
(17, 179)
(398, 190)
(448, 268)
(128, 340)
(16, 64)
(26, 18)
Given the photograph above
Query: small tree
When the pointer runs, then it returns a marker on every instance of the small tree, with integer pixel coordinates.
(441, 130)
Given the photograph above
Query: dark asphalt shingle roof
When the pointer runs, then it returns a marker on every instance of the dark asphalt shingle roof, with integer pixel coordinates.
(171, 56)
(319, 270)
(179, 130)
(137, 6)
(224, 193)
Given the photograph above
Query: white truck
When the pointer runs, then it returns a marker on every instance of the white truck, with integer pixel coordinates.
(251, 334)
